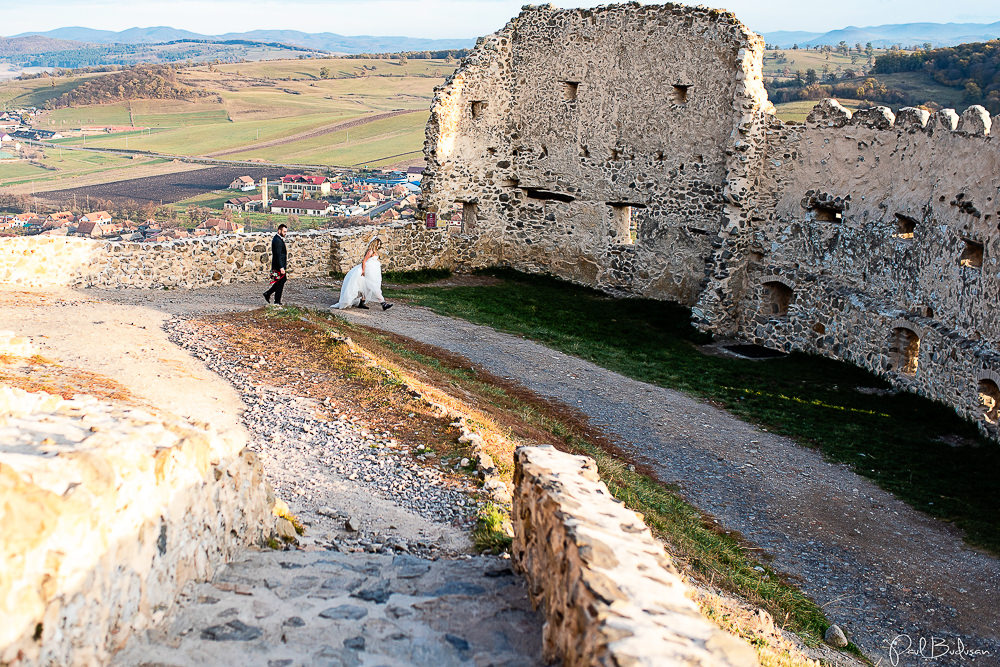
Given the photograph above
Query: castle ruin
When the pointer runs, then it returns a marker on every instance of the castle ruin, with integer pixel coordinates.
(633, 148)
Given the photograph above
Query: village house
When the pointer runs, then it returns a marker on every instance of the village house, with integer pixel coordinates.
(244, 183)
(414, 174)
(97, 216)
(305, 187)
(221, 226)
(302, 207)
(248, 203)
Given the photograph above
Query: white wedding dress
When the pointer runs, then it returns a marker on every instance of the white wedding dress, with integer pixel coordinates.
(357, 287)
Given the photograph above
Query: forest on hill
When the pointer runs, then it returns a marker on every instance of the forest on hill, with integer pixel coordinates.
(931, 78)
(156, 82)
(974, 68)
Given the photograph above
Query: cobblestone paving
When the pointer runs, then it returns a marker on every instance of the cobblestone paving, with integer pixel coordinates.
(321, 608)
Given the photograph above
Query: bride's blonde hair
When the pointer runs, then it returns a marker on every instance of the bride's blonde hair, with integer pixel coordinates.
(374, 245)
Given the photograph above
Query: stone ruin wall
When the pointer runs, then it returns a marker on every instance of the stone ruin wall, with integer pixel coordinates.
(793, 236)
(870, 224)
(107, 512)
(543, 136)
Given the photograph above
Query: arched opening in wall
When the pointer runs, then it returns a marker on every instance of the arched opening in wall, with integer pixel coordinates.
(905, 226)
(679, 94)
(570, 90)
(477, 108)
(989, 399)
(904, 351)
(972, 254)
(776, 298)
(624, 224)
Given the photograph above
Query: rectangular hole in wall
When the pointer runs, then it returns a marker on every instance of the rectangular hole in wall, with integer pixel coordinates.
(972, 254)
(570, 90)
(826, 214)
(624, 225)
(679, 93)
(477, 108)
(548, 195)
(905, 226)
(469, 213)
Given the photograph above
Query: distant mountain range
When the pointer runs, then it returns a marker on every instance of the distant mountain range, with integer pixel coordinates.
(906, 34)
(324, 41)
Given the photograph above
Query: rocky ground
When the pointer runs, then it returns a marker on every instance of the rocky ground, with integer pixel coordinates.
(325, 608)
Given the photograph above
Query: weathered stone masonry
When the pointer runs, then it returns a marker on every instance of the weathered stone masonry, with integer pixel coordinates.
(595, 144)
(633, 148)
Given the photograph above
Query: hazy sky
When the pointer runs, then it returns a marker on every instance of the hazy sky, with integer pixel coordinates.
(441, 18)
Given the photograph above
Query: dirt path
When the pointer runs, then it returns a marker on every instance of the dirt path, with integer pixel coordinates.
(318, 132)
(886, 573)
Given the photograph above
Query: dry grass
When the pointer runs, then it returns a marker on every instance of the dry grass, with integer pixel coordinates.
(39, 374)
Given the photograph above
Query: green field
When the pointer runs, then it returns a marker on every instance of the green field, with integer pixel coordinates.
(64, 165)
(254, 103)
(777, 62)
(797, 111)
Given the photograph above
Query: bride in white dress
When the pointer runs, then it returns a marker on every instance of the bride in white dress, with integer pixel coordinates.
(364, 282)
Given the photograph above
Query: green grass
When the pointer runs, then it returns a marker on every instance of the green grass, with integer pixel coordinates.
(893, 440)
(488, 534)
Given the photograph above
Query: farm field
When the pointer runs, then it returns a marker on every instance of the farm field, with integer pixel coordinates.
(797, 111)
(263, 103)
(60, 168)
(165, 188)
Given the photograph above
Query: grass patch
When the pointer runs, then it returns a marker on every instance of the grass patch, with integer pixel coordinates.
(491, 534)
(896, 441)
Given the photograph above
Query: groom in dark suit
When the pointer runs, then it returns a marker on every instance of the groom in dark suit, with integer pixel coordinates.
(279, 266)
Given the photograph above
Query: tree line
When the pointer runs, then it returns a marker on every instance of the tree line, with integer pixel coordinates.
(973, 67)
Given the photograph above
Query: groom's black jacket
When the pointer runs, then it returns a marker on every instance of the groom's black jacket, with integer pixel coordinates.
(279, 254)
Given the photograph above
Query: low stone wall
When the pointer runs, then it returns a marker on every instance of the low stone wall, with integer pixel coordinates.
(42, 261)
(107, 512)
(610, 593)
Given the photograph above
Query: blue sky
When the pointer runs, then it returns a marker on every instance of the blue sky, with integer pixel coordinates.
(441, 18)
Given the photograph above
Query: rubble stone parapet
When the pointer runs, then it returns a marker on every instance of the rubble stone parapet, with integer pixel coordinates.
(107, 512)
(610, 594)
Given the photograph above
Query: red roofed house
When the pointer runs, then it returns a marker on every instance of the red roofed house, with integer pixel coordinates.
(305, 187)
(220, 226)
(96, 216)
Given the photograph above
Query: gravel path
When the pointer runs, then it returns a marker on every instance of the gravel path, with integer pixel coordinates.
(886, 573)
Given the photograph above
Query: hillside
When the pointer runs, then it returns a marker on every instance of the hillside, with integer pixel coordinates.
(16, 46)
(324, 41)
(153, 82)
(904, 34)
(973, 69)
(184, 50)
